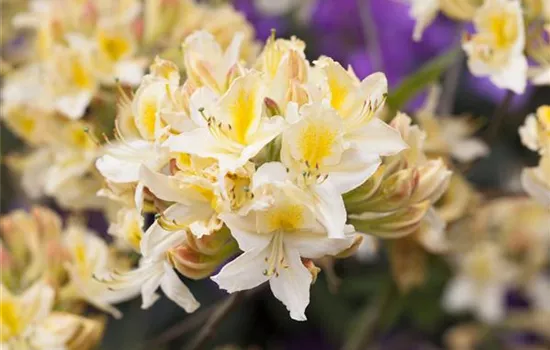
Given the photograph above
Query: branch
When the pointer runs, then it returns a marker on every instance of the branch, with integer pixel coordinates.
(207, 331)
(368, 320)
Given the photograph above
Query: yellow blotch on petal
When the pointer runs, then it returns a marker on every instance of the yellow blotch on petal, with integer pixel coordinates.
(80, 77)
(243, 113)
(338, 91)
(316, 143)
(115, 47)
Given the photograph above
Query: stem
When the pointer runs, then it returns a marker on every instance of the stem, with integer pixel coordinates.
(450, 85)
(498, 116)
(207, 331)
(370, 34)
(451, 80)
(368, 320)
(187, 325)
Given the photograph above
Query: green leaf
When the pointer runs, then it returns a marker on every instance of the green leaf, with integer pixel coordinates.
(422, 78)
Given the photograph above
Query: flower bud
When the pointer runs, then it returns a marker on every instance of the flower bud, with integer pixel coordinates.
(198, 258)
(165, 70)
(394, 224)
(271, 107)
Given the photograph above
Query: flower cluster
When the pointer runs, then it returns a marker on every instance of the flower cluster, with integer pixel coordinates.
(60, 91)
(252, 156)
(47, 280)
(502, 247)
(507, 33)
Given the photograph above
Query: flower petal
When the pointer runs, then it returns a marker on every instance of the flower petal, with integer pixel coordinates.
(245, 272)
(292, 285)
(176, 291)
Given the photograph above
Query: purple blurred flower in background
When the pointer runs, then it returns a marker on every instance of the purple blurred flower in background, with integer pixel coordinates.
(263, 23)
(336, 29)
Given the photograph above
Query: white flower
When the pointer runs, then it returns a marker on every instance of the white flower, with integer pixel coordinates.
(89, 258)
(274, 240)
(337, 134)
(538, 290)
(22, 314)
(535, 132)
(496, 50)
(127, 229)
(122, 161)
(449, 134)
(233, 128)
(194, 197)
(154, 271)
(481, 284)
(205, 62)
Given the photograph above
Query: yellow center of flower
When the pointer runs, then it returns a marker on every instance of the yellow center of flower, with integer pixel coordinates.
(80, 138)
(286, 217)
(480, 267)
(503, 30)
(10, 321)
(238, 190)
(113, 46)
(316, 144)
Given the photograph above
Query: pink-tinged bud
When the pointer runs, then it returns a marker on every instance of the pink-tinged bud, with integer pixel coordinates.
(357, 240)
(164, 69)
(408, 263)
(183, 95)
(434, 179)
(271, 107)
(6, 261)
(297, 93)
(198, 258)
(233, 73)
(199, 73)
(313, 270)
(298, 66)
(49, 223)
(191, 263)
